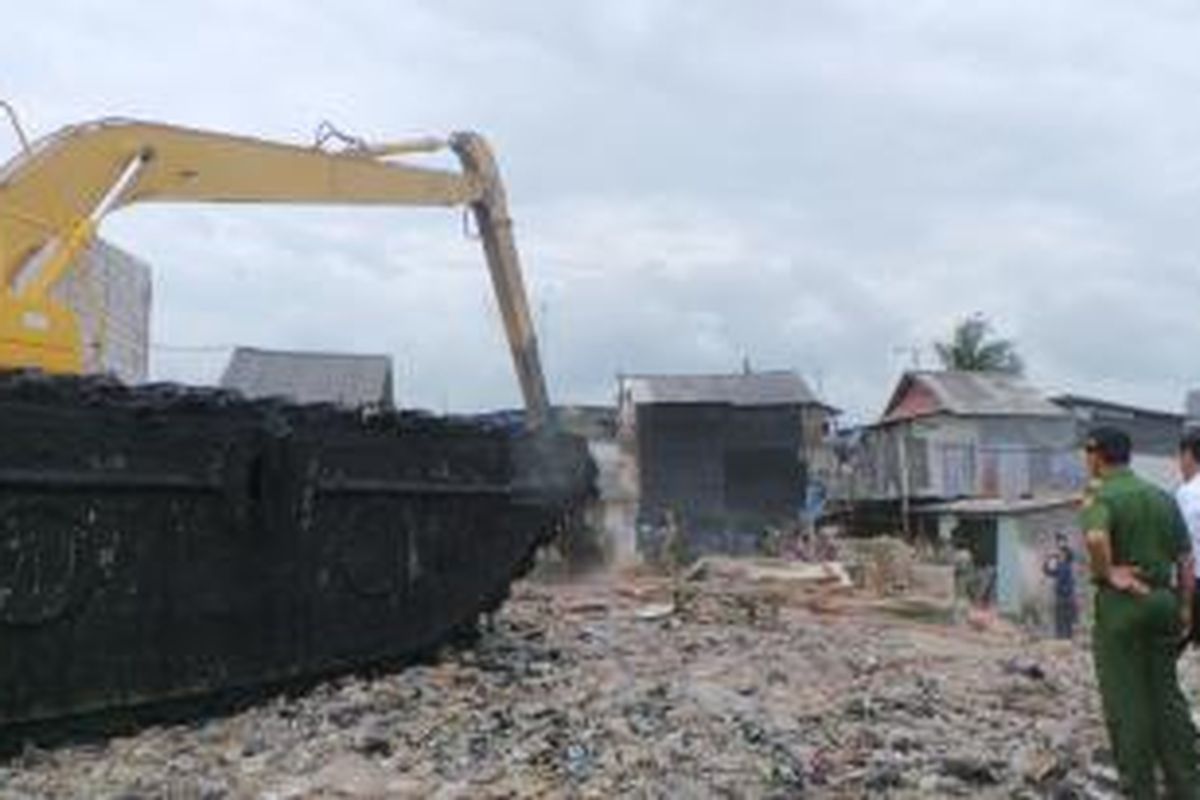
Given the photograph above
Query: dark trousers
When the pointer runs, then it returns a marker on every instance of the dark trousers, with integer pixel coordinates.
(1196, 619)
(1064, 617)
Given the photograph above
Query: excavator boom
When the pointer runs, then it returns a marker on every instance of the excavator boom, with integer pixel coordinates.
(55, 194)
(164, 544)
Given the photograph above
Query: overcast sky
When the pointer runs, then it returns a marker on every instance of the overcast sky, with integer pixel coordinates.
(822, 186)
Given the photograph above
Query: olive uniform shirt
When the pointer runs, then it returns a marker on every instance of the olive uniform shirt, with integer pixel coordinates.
(1143, 523)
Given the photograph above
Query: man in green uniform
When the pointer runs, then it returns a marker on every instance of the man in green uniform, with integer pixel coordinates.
(1141, 562)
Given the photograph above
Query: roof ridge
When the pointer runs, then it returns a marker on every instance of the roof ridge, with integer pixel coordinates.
(302, 353)
(1068, 397)
(790, 372)
(976, 393)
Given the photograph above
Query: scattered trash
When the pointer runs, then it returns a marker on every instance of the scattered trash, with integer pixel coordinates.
(781, 572)
(736, 690)
(1024, 667)
(588, 607)
(655, 611)
(972, 769)
(884, 564)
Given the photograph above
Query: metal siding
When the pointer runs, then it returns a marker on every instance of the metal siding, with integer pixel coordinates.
(958, 470)
(919, 474)
(1150, 435)
(1049, 433)
(762, 461)
(1008, 564)
(951, 456)
(1153, 432)
(680, 455)
(727, 472)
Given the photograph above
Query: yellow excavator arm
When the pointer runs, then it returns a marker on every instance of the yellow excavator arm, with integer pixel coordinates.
(54, 195)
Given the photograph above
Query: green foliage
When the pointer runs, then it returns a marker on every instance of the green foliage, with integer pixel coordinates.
(972, 348)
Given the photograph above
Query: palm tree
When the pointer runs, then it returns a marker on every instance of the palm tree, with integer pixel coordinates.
(972, 349)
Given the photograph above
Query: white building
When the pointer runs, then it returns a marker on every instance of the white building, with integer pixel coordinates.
(109, 291)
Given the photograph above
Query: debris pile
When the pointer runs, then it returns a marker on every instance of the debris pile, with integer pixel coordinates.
(613, 688)
(753, 591)
(883, 565)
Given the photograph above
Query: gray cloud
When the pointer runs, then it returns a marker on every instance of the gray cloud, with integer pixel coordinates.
(815, 185)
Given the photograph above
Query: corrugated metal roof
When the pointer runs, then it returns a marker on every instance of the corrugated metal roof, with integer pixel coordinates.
(345, 379)
(987, 506)
(977, 394)
(742, 389)
(1075, 401)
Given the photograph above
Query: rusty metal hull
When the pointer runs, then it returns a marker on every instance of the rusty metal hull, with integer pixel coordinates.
(162, 543)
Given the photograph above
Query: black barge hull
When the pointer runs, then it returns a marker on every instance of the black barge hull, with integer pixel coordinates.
(163, 543)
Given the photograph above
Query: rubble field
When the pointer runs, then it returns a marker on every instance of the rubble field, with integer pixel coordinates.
(648, 687)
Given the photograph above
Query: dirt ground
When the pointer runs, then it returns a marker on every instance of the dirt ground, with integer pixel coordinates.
(636, 687)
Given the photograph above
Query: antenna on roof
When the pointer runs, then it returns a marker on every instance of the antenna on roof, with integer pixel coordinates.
(913, 351)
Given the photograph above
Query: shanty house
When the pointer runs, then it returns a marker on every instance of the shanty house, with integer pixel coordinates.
(1008, 540)
(945, 435)
(343, 379)
(720, 457)
(980, 461)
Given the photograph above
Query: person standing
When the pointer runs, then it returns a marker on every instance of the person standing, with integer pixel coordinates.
(1188, 497)
(1060, 567)
(1141, 560)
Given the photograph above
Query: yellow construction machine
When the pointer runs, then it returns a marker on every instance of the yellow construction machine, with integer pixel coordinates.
(164, 542)
(55, 194)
